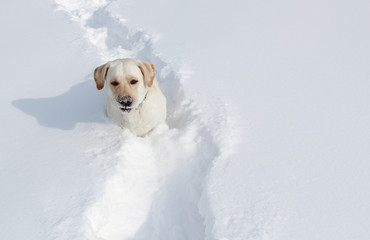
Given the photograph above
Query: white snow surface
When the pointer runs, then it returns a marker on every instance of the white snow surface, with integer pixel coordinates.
(267, 134)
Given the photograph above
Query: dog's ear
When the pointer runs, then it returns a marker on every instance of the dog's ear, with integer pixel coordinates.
(148, 71)
(100, 74)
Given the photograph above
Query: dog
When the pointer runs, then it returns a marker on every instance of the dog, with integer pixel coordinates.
(134, 99)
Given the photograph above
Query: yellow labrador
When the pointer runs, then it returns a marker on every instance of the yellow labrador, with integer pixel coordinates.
(134, 98)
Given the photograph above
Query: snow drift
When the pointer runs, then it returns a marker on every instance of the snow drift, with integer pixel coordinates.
(294, 73)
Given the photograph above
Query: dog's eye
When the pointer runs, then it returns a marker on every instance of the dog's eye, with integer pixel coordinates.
(115, 83)
(133, 82)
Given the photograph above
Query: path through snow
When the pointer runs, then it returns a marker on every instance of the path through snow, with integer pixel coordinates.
(156, 186)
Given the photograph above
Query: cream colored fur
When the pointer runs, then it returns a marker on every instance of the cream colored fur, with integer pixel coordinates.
(149, 104)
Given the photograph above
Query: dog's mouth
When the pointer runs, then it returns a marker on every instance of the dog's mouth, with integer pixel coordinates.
(126, 109)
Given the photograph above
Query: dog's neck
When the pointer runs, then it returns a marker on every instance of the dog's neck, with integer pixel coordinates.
(141, 104)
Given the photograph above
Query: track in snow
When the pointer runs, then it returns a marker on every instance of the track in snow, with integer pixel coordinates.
(156, 186)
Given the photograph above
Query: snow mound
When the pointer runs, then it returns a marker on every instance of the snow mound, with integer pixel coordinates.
(153, 187)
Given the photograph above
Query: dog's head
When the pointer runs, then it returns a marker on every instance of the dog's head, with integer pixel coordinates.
(127, 81)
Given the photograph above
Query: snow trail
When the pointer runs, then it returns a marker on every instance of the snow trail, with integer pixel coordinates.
(156, 186)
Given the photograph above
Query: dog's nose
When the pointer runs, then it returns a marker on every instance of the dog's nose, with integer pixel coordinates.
(125, 101)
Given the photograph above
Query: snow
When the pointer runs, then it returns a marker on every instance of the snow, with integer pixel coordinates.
(267, 134)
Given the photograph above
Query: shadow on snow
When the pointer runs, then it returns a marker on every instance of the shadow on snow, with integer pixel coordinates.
(81, 104)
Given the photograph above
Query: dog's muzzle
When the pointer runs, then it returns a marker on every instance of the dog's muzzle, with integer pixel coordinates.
(126, 102)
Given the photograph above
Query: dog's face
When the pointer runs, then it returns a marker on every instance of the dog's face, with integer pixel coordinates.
(127, 81)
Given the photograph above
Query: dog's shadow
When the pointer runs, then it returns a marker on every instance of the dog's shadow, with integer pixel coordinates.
(80, 104)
